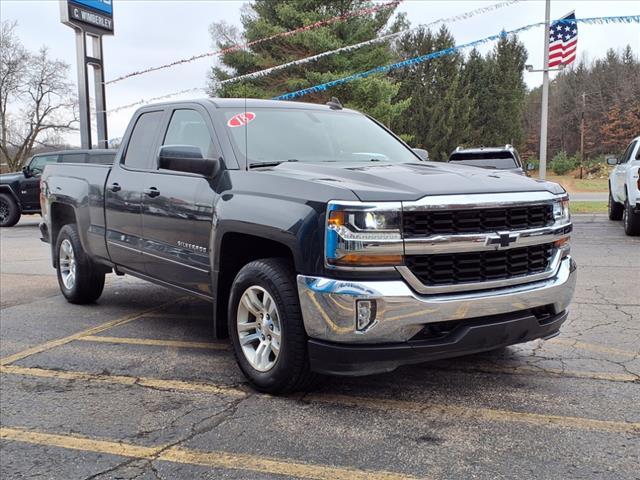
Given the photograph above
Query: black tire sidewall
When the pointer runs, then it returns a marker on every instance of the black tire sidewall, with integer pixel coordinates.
(14, 210)
(275, 379)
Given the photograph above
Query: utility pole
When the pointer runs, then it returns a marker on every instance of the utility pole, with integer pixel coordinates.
(584, 104)
(544, 110)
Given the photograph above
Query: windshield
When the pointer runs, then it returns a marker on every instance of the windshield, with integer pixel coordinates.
(498, 160)
(266, 135)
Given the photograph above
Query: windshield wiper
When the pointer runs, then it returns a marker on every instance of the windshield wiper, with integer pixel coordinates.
(272, 163)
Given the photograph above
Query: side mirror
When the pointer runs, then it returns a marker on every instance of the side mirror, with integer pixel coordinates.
(422, 153)
(612, 161)
(187, 159)
(530, 167)
(27, 171)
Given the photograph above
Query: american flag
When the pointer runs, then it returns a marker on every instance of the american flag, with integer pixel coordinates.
(563, 40)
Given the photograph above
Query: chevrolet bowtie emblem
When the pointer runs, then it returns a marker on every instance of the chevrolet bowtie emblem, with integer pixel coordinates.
(502, 239)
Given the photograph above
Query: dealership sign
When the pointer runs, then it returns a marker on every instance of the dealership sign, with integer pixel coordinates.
(91, 15)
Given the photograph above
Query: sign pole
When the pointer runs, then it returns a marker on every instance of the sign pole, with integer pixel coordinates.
(544, 110)
(93, 19)
(83, 89)
(101, 106)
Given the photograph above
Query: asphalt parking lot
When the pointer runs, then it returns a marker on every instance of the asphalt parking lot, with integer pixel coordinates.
(135, 387)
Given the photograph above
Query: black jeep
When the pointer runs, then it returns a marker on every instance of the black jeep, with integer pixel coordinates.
(20, 191)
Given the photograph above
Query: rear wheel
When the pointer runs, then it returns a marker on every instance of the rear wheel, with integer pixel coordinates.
(631, 220)
(80, 279)
(615, 209)
(266, 328)
(9, 211)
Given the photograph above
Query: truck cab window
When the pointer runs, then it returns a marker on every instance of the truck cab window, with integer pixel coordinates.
(187, 127)
(72, 158)
(38, 163)
(140, 152)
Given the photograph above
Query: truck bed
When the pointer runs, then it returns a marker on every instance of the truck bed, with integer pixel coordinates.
(81, 186)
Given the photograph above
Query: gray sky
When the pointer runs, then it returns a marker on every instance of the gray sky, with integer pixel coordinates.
(149, 33)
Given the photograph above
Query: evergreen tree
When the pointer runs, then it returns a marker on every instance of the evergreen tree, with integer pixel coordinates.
(263, 18)
(437, 115)
(503, 102)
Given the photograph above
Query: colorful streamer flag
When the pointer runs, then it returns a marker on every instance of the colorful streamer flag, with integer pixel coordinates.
(563, 40)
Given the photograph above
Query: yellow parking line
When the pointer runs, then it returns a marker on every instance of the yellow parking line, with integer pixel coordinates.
(592, 347)
(90, 331)
(476, 367)
(179, 385)
(542, 372)
(456, 411)
(225, 460)
(150, 341)
(476, 413)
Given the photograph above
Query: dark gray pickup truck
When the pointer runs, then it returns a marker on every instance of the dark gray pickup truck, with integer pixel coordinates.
(325, 244)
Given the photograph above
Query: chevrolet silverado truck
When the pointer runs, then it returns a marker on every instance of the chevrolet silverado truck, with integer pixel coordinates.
(324, 243)
(20, 191)
(624, 188)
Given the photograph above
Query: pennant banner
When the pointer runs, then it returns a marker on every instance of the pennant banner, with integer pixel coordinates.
(402, 64)
(448, 51)
(384, 38)
(321, 23)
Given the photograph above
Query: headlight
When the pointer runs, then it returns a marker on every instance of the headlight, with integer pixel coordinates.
(561, 211)
(361, 235)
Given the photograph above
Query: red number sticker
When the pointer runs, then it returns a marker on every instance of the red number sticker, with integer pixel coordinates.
(241, 119)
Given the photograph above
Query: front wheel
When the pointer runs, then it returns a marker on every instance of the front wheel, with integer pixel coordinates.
(266, 328)
(80, 279)
(9, 211)
(615, 209)
(631, 220)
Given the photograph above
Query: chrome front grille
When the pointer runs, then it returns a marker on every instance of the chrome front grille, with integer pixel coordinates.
(419, 223)
(471, 267)
(460, 243)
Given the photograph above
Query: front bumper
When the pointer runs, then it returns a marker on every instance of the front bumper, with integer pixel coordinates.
(329, 306)
(472, 336)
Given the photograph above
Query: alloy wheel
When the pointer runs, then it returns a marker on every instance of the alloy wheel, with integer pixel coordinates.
(4, 210)
(67, 262)
(259, 328)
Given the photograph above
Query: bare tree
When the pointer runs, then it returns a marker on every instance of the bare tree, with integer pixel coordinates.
(36, 99)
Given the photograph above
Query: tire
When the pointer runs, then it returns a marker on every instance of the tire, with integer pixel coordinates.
(631, 220)
(288, 370)
(80, 279)
(615, 209)
(9, 211)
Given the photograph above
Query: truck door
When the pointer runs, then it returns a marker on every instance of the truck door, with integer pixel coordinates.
(178, 208)
(123, 192)
(620, 173)
(29, 193)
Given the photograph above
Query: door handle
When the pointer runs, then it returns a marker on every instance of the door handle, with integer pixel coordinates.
(115, 187)
(151, 192)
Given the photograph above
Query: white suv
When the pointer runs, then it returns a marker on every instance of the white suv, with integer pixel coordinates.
(624, 188)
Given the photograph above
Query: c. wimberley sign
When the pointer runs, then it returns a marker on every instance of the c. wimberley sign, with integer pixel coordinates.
(91, 19)
(92, 15)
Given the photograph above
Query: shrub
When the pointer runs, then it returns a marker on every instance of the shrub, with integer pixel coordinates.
(562, 164)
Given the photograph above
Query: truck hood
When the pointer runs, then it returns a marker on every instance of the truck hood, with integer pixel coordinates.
(411, 181)
(6, 178)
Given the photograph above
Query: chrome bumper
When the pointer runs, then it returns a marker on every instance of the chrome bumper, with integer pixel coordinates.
(329, 306)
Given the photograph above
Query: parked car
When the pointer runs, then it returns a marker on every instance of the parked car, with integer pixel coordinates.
(20, 191)
(495, 158)
(624, 188)
(325, 244)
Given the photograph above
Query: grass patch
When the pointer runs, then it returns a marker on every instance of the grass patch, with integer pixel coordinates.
(592, 185)
(589, 207)
(576, 185)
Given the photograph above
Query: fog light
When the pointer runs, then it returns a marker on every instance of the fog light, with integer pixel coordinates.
(365, 313)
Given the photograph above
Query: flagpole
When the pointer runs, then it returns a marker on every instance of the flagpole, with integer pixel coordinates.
(544, 110)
